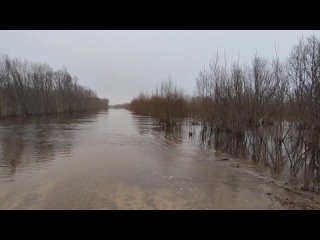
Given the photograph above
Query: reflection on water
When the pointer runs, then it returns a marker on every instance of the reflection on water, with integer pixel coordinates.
(118, 160)
(35, 142)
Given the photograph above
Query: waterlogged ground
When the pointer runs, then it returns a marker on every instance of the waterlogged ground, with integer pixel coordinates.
(117, 160)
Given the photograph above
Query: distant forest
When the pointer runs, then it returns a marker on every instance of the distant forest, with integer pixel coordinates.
(34, 88)
(119, 106)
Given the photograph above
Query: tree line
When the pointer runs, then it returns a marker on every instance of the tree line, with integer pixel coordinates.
(167, 104)
(268, 111)
(34, 88)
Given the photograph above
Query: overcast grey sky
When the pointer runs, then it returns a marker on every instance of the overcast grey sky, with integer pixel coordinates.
(120, 64)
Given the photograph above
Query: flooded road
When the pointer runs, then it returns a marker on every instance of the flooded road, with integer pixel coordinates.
(117, 160)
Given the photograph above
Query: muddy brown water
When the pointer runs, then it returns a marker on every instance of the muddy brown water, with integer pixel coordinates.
(118, 160)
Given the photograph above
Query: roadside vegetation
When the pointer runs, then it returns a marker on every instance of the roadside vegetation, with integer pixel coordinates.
(268, 111)
(168, 104)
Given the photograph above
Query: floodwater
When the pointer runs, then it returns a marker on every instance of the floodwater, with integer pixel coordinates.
(118, 160)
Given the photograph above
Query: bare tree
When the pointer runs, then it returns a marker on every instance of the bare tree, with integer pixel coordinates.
(32, 88)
